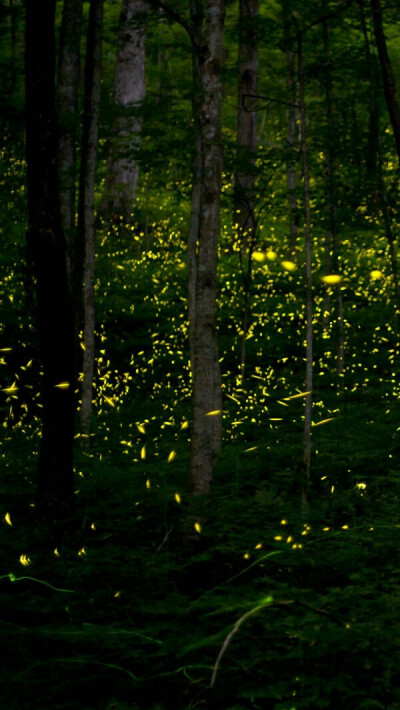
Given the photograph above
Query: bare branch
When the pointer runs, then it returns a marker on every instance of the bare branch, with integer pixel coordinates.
(161, 5)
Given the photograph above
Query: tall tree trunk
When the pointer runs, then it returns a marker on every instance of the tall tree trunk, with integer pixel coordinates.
(68, 83)
(86, 227)
(13, 37)
(246, 152)
(387, 220)
(330, 209)
(247, 278)
(331, 231)
(379, 180)
(332, 238)
(129, 91)
(309, 300)
(194, 226)
(246, 134)
(207, 17)
(292, 114)
(55, 491)
(389, 83)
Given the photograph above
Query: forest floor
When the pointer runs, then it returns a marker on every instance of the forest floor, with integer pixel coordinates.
(251, 601)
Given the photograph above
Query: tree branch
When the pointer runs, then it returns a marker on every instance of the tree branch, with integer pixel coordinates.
(161, 5)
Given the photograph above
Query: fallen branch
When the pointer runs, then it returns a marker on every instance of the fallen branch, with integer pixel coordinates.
(268, 602)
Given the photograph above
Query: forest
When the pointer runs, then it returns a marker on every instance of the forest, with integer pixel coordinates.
(200, 357)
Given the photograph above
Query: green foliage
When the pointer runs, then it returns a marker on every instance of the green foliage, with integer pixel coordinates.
(137, 605)
(132, 610)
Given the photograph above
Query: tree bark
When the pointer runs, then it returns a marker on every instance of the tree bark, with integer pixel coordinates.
(129, 91)
(46, 245)
(309, 298)
(68, 84)
(86, 228)
(331, 230)
(207, 17)
(13, 39)
(330, 209)
(292, 115)
(246, 133)
(389, 83)
(374, 108)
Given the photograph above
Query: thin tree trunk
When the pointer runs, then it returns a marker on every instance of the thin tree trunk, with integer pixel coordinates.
(309, 299)
(55, 490)
(340, 327)
(246, 151)
(68, 83)
(387, 220)
(129, 91)
(389, 83)
(13, 36)
(331, 244)
(246, 140)
(247, 277)
(207, 17)
(330, 226)
(292, 114)
(86, 199)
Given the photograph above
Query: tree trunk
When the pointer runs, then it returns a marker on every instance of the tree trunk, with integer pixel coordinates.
(374, 108)
(330, 210)
(207, 17)
(68, 84)
(55, 490)
(387, 220)
(331, 231)
(129, 91)
(86, 199)
(309, 301)
(246, 152)
(13, 38)
(389, 83)
(246, 140)
(247, 278)
(194, 229)
(292, 114)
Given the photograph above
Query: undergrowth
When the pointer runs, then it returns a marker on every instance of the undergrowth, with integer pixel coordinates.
(246, 600)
